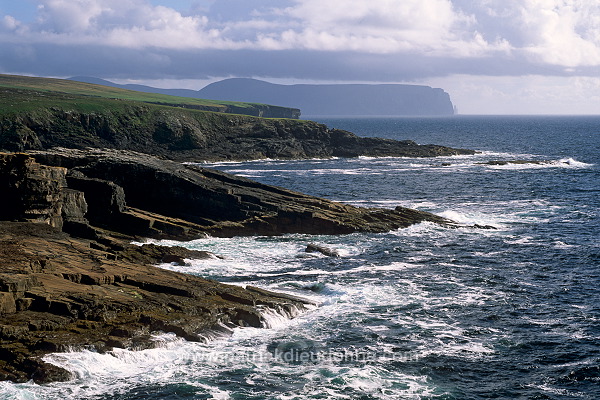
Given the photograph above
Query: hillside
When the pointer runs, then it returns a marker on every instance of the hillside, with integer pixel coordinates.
(35, 115)
(339, 99)
(65, 89)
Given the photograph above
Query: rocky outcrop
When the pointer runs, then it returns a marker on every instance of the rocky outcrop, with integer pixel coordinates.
(168, 199)
(315, 248)
(186, 135)
(31, 192)
(88, 286)
(58, 293)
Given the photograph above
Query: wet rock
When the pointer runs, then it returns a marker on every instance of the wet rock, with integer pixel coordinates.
(314, 248)
(87, 300)
(87, 286)
(43, 372)
(478, 226)
(515, 162)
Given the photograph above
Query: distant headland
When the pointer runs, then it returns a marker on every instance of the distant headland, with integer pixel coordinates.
(337, 99)
(317, 100)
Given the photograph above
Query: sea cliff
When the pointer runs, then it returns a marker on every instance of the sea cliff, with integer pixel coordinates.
(337, 99)
(189, 135)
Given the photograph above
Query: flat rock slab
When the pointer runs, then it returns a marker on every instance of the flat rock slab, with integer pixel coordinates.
(57, 293)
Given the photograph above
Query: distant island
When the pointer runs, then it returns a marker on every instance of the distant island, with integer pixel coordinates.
(317, 100)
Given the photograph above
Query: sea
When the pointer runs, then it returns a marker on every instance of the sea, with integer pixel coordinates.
(425, 312)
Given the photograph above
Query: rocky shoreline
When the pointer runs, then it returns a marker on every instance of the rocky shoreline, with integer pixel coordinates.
(85, 176)
(71, 278)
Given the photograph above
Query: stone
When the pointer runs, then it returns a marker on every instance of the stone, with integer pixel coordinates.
(88, 286)
(166, 199)
(7, 303)
(32, 192)
(87, 300)
(314, 248)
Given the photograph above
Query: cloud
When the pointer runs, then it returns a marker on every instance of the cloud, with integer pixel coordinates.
(384, 26)
(383, 40)
(122, 23)
(561, 32)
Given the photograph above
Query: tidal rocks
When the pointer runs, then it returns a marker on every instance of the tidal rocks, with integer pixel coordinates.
(88, 286)
(515, 162)
(315, 248)
(57, 292)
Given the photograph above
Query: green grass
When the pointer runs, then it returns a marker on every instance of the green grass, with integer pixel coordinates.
(15, 90)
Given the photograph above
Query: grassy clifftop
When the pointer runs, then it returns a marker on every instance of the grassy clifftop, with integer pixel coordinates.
(23, 93)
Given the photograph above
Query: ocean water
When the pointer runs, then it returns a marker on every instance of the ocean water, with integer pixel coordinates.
(424, 312)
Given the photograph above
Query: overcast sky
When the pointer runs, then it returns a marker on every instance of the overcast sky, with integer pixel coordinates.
(492, 56)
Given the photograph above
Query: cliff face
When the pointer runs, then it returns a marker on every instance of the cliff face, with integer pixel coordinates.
(31, 192)
(195, 136)
(341, 99)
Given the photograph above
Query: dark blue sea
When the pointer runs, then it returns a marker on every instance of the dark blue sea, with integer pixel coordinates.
(425, 312)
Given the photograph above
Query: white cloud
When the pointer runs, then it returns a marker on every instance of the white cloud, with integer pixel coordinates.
(562, 32)
(431, 27)
(376, 40)
(385, 26)
(9, 23)
(121, 23)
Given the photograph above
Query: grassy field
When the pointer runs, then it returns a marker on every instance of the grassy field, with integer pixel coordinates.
(23, 93)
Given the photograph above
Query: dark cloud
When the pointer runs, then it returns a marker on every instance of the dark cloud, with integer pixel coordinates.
(124, 63)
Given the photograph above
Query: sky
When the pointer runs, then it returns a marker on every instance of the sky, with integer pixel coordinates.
(491, 56)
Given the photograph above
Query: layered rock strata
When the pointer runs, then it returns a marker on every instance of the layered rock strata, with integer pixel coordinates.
(93, 289)
(70, 277)
(165, 199)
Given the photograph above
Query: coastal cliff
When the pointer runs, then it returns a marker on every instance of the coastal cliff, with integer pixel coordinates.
(189, 135)
(38, 116)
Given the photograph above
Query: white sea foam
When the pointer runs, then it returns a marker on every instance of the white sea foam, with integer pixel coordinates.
(472, 218)
(568, 163)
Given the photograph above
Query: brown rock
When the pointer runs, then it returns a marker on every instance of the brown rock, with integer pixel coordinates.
(87, 299)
